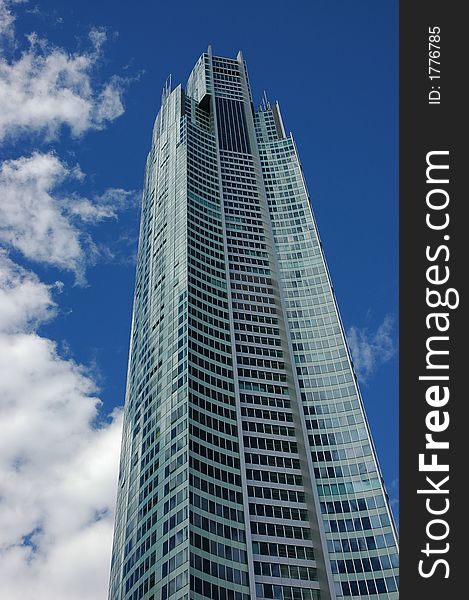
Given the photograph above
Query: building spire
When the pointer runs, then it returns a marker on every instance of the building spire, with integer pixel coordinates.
(166, 89)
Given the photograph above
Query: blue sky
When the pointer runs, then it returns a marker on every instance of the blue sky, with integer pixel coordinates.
(74, 144)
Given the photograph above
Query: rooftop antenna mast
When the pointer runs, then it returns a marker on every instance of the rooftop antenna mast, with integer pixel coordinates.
(166, 88)
(265, 102)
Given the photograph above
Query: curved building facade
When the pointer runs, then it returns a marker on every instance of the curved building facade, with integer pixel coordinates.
(247, 466)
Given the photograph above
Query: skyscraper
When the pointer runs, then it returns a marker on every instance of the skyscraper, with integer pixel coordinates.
(247, 466)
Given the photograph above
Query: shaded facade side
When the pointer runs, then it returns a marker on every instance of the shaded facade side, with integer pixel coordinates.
(360, 532)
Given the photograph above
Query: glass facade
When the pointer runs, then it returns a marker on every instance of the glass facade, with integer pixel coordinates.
(247, 466)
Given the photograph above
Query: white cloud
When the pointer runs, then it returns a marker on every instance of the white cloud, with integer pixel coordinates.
(6, 20)
(58, 470)
(104, 206)
(41, 222)
(42, 90)
(24, 300)
(371, 349)
(47, 87)
(58, 460)
(32, 219)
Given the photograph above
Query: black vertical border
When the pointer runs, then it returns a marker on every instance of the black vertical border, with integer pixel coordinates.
(425, 128)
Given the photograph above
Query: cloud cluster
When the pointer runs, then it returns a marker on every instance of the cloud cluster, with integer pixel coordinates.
(25, 302)
(32, 220)
(42, 223)
(6, 20)
(104, 206)
(371, 349)
(58, 469)
(58, 453)
(47, 87)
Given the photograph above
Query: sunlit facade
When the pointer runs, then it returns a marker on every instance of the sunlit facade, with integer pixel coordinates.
(247, 466)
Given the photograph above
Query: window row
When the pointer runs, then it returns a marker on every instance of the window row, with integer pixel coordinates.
(282, 531)
(211, 546)
(343, 454)
(358, 544)
(358, 504)
(282, 592)
(275, 494)
(216, 528)
(214, 508)
(288, 571)
(215, 592)
(367, 587)
(365, 564)
(270, 444)
(272, 415)
(216, 490)
(278, 512)
(283, 550)
(219, 570)
(215, 472)
(284, 462)
(274, 477)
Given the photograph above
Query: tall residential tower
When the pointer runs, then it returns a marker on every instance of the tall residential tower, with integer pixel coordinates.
(247, 466)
